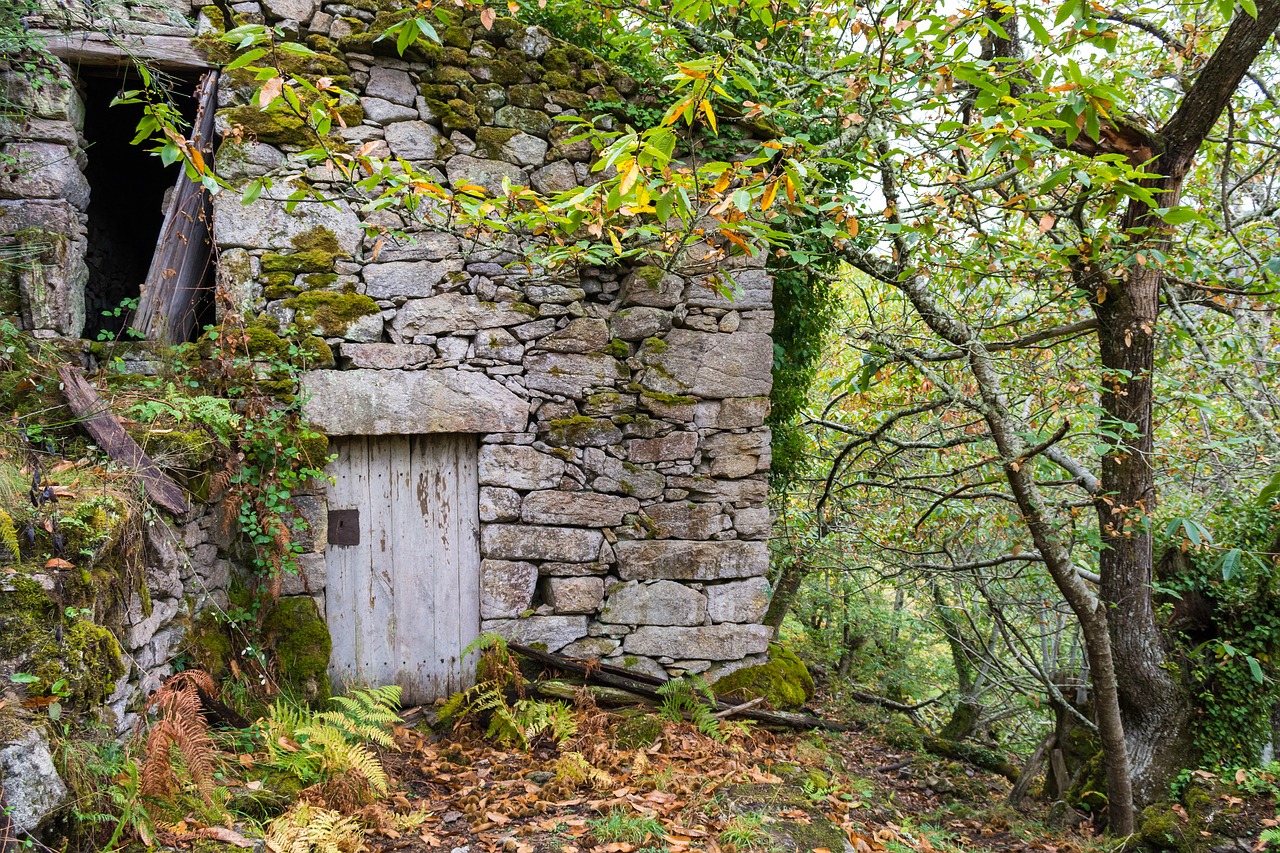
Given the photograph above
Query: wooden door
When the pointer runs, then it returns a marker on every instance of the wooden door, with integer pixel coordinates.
(404, 601)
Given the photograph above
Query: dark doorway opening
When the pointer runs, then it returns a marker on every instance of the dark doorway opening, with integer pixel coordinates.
(128, 188)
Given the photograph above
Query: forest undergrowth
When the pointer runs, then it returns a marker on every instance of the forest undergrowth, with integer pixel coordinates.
(496, 769)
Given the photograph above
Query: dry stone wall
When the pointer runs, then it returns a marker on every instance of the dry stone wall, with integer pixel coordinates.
(624, 457)
(623, 454)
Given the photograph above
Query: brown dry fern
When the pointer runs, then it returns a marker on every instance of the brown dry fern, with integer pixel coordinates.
(179, 725)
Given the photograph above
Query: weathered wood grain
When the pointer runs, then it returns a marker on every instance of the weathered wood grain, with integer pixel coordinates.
(168, 303)
(170, 53)
(109, 433)
(402, 608)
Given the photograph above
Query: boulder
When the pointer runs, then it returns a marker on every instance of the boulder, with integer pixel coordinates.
(31, 783)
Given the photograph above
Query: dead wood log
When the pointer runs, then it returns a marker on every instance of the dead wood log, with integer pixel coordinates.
(109, 433)
(647, 686)
(1031, 769)
(987, 759)
(603, 695)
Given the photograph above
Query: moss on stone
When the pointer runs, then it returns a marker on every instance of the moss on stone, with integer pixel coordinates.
(617, 348)
(452, 75)
(264, 343)
(313, 448)
(275, 125)
(86, 655)
(302, 646)
(578, 431)
(215, 17)
(637, 729)
(308, 261)
(654, 346)
(784, 681)
(1162, 828)
(331, 313)
(648, 395)
(490, 140)
(313, 352)
(208, 645)
(319, 280)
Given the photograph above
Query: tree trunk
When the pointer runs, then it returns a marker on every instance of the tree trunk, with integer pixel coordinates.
(784, 593)
(1155, 707)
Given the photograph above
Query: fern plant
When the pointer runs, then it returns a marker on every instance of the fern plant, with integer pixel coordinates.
(309, 829)
(316, 746)
(691, 696)
(497, 672)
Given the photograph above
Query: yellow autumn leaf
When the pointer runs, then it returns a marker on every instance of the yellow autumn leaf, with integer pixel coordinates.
(705, 106)
(629, 179)
(770, 192)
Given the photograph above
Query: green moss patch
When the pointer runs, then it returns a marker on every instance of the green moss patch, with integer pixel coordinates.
(784, 681)
(86, 655)
(302, 646)
(331, 313)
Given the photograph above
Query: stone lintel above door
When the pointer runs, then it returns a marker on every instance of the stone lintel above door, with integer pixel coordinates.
(405, 402)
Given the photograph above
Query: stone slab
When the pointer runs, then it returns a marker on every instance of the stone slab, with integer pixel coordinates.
(678, 559)
(395, 402)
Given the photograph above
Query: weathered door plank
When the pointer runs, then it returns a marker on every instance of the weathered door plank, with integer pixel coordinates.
(405, 602)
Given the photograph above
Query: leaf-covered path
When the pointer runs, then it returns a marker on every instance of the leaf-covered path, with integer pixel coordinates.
(632, 783)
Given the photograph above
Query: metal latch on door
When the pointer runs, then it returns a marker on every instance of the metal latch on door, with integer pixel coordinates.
(344, 527)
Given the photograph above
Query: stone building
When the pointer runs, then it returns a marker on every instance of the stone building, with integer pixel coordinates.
(577, 459)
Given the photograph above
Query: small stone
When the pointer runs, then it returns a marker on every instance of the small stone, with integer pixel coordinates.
(577, 509)
(738, 601)
(524, 542)
(653, 287)
(642, 321)
(585, 334)
(555, 632)
(465, 169)
(715, 642)
(676, 445)
(752, 523)
(506, 588)
(677, 559)
(291, 10)
(383, 112)
(554, 178)
(391, 85)
(378, 356)
(530, 121)
(499, 504)
(685, 520)
(518, 467)
(573, 595)
(659, 603)
(571, 374)
(590, 647)
(413, 279)
(415, 140)
(33, 789)
(499, 345)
